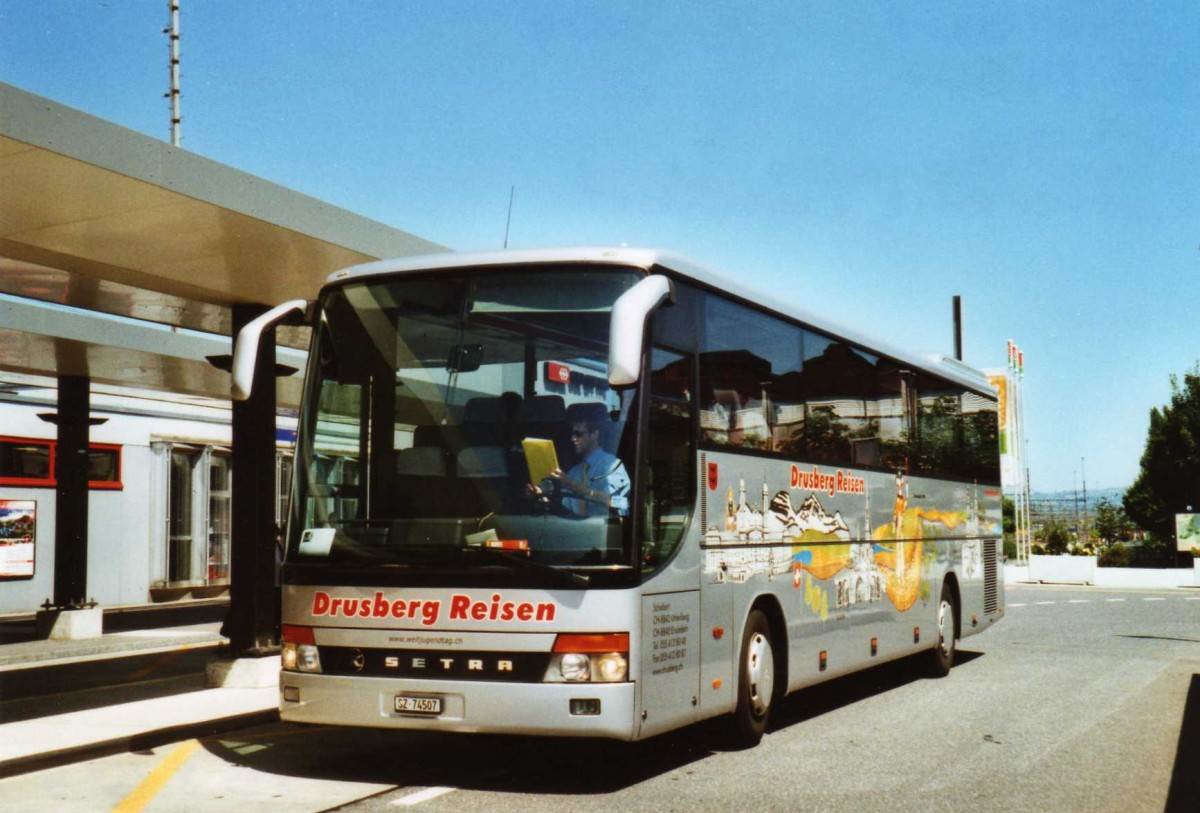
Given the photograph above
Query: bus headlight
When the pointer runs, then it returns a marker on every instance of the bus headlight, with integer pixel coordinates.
(610, 668)
(595, 658)
(575, 666)
(298, 651)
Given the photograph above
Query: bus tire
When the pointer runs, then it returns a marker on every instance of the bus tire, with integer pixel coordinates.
(756, 682)
(943, 650)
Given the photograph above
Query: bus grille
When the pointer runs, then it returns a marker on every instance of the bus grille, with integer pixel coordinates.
(703, 492)
(990, 593)
(437, 664)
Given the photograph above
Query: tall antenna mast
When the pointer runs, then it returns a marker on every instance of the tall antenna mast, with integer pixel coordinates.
(173, 32)
(1085, 532)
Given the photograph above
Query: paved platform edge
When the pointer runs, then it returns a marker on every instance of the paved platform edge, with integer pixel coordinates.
(134, 742)
(155, 647)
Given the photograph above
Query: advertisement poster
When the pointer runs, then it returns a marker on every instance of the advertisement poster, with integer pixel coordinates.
(18, 521)
(1187, 532)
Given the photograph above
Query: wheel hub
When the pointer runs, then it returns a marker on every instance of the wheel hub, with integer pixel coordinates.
(760, 668)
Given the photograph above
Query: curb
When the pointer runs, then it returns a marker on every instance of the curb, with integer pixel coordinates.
(134, 742)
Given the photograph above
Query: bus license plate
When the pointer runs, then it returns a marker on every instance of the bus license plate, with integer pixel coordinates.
(418, 705)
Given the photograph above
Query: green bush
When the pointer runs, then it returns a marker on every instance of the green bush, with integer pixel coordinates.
(1153, 552)
(1116, 555)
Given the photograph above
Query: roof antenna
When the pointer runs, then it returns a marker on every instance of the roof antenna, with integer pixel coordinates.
(508, 223)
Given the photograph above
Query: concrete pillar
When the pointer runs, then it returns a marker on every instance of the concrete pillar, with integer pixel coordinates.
(253, 621)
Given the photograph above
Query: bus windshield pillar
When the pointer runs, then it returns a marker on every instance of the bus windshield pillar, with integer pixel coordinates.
(254, 600)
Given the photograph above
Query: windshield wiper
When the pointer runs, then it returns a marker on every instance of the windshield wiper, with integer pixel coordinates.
(499, 556)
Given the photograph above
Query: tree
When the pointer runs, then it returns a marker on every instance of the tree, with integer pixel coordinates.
(1056, 537)
(1111, 524)
(1169, 479)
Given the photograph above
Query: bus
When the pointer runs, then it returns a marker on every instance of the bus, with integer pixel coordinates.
(779, 501)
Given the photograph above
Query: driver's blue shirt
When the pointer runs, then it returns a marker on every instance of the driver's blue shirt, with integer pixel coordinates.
(605, 473)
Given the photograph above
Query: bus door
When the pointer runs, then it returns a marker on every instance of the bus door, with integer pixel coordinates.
(672, 629)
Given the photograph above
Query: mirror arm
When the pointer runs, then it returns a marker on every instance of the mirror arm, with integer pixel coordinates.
(245, 347)
(628, 327)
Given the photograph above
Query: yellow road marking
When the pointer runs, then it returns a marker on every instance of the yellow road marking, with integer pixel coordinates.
(152, 784)
(159, 662)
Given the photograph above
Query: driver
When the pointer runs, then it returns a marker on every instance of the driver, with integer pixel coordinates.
(598, 482)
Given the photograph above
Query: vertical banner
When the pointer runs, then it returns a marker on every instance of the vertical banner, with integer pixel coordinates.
(18, 526)
(1009, 468)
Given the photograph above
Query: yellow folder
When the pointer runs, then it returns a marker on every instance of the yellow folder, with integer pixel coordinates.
(540, 457)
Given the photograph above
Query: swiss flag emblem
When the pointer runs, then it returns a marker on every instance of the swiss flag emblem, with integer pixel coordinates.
(558, 373)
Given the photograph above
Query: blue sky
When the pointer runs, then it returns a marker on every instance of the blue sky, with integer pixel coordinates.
(864, 160)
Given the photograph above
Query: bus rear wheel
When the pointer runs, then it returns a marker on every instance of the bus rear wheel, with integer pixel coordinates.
(943, 652)
(756, 682)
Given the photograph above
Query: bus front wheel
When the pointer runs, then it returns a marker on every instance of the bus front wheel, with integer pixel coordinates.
(943, 652)
(756, 682)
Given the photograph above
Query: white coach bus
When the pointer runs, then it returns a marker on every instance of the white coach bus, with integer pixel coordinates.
(608, 493)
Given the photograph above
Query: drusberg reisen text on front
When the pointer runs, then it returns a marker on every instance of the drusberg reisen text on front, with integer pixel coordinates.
(461, 608)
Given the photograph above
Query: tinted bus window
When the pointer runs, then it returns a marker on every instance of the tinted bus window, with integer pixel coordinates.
(842, 403)
(748, 370)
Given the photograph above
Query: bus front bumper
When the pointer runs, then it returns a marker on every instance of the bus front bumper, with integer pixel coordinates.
(466, 706)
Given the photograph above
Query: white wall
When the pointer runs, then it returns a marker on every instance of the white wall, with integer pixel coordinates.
(1126, 577)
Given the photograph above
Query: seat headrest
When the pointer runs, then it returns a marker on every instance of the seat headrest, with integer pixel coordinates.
(429, 461)
(483, 461)
(542, 409)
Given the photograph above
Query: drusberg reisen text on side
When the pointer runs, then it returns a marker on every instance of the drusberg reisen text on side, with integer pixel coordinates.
(839, 482)
(462, 608)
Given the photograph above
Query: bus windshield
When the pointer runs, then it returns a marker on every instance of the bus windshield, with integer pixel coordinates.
(463, 422)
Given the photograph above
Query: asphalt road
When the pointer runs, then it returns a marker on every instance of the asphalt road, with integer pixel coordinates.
(1080, 700)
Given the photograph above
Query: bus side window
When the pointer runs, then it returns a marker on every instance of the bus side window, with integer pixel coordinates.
(670, 457)
(750, 378)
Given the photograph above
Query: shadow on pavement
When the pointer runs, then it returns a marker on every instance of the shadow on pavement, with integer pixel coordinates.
(1184, 793)
(834, 694)
(475, 762)
(523, 764)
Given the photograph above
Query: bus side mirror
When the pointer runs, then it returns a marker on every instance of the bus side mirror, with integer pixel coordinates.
(628, 328)
(245, 347)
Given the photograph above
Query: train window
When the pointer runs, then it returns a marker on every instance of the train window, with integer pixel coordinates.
(104, 466)
(26, 462)
(32, 463)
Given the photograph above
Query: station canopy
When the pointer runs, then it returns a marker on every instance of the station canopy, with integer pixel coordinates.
(121, 256)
